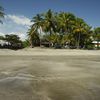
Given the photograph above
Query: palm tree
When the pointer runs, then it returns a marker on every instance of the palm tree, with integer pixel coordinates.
(38, 24)
(49, 23)
(33, 36)
(1, 14)
(37, 20)
(80, 30)
(64, 25)
(60, 27)
(65, 22)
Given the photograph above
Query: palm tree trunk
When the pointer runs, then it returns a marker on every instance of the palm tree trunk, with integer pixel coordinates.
(31, 43)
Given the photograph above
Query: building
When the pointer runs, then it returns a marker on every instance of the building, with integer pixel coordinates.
(96, 43)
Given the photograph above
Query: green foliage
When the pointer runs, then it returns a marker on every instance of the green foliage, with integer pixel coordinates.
(14, 41)
(90, 47)
(12, 38)
(25, 43)
(1, 37)
(33, 36)
(97, 34)
(61, 28)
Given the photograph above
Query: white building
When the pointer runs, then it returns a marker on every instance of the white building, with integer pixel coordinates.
(96, 43)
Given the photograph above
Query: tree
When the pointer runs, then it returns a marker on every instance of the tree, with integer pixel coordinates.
(42, 22)
(26, 43)
(33, 36)
(37, 26)
(1, 14)
(37, 21)
(65, 22)
(49, 23)
(97, 33)
(12, 39)
(60, 28)
(52, 39)
(81, 32)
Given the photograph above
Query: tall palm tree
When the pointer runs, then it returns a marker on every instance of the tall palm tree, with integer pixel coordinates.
(49, 23)
(64, 27)
(1, 14)
(80, 30)
(65, 22)
(30, 37)
(38, 24)
(37, 20)
(33, 36)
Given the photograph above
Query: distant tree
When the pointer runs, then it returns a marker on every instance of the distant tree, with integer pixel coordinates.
(12, 38)
(14, 41)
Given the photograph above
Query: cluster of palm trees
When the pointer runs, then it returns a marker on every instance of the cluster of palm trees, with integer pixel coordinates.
(59, 28)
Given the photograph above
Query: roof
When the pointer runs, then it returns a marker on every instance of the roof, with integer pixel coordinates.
(96, 42)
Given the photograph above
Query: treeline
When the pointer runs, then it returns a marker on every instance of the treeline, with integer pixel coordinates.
(57, 30)
(11, 42)
(62, 30)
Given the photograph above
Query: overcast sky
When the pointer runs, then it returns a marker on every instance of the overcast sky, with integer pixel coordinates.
(19, 12)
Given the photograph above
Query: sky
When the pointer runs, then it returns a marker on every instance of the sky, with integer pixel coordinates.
(19, 13)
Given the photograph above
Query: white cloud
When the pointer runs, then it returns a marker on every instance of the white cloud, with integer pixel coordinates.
(2, 34)
(13, 24)
(21, 20)
(21, 35)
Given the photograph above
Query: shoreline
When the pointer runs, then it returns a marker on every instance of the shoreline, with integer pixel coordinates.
(49, 52)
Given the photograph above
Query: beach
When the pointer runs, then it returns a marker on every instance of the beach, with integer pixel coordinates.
(49, 74)
(49, 52)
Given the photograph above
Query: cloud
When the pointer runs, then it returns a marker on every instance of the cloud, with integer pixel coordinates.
(2, 34)
(21, 35)
(20, 20)
(13, 24)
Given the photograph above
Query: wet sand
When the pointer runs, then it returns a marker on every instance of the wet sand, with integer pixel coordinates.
(45, 74)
